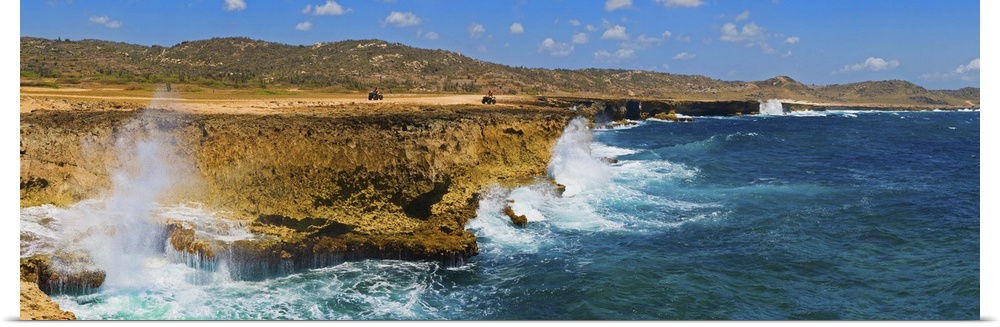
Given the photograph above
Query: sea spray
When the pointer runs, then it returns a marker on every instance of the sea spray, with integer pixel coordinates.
(585, 178)
(772, 107)
(120, 233)
(495, 229)
(572, 164)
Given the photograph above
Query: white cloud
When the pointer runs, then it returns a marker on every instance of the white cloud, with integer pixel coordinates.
(331, 8)
(401, 19)
(590, 28)
(967, 72)
(581, 38)
(307, 9)
(104, 20)
(681, 3)
(304, 26)
(516, 28)
(752, 34)
(684, 56)
(615, 33)
(552, 48)
(871, 64)
(742, 16)
(749, 32)
(574, 22)
(431, 36)
(235, 5)
(476, 29)
(667, 35)
(766, 48)
(612, 5)
(973, 65)
(645, 41)
(792, 40)
(621, 54)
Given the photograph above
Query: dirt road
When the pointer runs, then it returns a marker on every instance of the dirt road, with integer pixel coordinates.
(33, 98)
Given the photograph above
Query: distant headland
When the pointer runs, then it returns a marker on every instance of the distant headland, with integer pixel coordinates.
(360, 65)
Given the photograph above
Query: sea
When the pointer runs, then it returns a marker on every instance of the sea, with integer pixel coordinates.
(823, 215)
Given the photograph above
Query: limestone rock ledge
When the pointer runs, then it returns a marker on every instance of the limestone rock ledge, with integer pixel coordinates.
(36, 305)
(325, 187)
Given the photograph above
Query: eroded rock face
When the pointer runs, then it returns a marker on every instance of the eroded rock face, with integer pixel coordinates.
(35, 305)
(607, 111)
(328, 188)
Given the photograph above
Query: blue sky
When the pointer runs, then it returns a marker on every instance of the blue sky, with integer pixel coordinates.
(935, 44)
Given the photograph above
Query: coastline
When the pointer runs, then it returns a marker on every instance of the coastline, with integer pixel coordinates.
(457, 145)
(324, 182)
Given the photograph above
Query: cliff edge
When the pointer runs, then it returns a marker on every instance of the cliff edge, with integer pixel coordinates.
(321, 184)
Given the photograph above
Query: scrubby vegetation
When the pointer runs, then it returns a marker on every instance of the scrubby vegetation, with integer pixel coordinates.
(359, 65)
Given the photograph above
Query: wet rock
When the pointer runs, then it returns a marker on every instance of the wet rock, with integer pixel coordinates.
(73, 273)
(183, 239)
(672, 116)
(518, 220)
(559, 189)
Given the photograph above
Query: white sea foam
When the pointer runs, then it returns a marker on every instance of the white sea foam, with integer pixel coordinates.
(601, 150)
(807, 113)
(546, 213)
(208, 224)
(655, 170)
(628, 124)
(496, 229)
(525, 200)
(741, 136)
(369, 289)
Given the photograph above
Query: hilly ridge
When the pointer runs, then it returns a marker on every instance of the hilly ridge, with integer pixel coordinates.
(358, 65)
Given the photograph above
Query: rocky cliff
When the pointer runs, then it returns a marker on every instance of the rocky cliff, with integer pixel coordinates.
(604, 110)
(323, 187)
(35, 305)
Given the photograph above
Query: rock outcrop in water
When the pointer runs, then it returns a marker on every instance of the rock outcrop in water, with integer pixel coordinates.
(321, 187)
(518, 220)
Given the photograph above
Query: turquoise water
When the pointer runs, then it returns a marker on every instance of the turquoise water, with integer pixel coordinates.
(830, 216)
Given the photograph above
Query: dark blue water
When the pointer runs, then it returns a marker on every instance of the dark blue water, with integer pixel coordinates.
(836, 216)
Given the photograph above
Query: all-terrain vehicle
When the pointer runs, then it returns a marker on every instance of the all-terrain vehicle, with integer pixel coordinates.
(374, 95)
(489, 99)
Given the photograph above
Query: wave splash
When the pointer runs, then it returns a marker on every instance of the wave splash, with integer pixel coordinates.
(572, 164)
(771, 107)
(121, 232)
